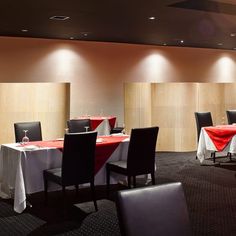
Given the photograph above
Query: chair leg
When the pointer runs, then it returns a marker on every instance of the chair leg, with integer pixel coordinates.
(134, 181)
(45, 190)
(64, 199)
(108, 180)
(214, 157)
(93, 195)
(76, 190)
(153, 178)
(129, 181)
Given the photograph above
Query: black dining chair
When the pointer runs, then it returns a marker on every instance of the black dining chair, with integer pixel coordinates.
(78, 164)
(140, 157)
(231, 116)
(203, 119)
(78, 125)
(117, 130)
(34, 131)
(153, 210)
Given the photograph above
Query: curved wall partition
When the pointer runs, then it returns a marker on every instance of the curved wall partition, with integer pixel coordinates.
(45, 102)
(171, 106)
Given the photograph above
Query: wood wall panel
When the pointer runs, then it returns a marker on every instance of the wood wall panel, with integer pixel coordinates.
(45, 102)
(173, 106)
(229, 97)
(211, 98)
(137, 105)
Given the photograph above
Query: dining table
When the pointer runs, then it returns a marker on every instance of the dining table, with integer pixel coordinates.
(101, 124)
(220, 138)
(22, 165)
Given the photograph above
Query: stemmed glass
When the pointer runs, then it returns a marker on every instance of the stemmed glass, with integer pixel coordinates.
(25, 139)
(86, 128)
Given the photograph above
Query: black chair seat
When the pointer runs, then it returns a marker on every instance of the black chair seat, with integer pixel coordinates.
(117, 130)
(118, 166)
(54, 175)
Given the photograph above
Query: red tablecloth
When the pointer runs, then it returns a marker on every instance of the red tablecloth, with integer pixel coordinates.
(97, 120)
(104, 149)
(221, 135)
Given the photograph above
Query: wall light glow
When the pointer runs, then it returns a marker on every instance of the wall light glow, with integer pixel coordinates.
(153, 68)
(224, 70)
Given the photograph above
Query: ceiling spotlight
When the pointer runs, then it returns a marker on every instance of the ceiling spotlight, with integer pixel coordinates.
(24, 30)
(233, 34)
(181, 41)
(151, 17)
(59, 18)
(85, 34)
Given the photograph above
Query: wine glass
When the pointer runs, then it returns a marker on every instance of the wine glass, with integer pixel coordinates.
(25, 139)
(86, 128)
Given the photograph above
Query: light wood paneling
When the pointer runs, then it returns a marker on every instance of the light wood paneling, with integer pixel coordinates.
(45, 102)
(211, 98)
(229, 97)
(173, 105)
(137, 105)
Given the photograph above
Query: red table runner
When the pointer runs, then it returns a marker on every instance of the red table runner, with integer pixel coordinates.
(221, 135)
(104, 149)
(95, 121)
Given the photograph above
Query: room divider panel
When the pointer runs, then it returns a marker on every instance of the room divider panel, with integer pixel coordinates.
(45, 102)
(171, 106)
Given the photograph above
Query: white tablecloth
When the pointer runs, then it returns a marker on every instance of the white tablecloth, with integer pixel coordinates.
(206, 146)
(21, 172)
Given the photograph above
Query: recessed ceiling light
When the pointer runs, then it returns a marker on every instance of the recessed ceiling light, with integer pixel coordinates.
(24, 30)
(85, 34)
(72, 38)
(59, 18)
(233, 34)
(181, 41)
(151, 17)
(219, 44)
(164, 44)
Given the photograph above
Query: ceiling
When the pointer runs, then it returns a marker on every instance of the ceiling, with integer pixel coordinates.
(192, 23)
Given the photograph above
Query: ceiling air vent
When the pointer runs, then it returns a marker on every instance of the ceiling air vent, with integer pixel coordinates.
(59, 18)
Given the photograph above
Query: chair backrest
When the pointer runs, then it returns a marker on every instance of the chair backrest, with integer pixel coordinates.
(34, 130)
(231, 116)
(78, 161)
(78, 125)
(141, 153)
(203, 119)
(153, 210)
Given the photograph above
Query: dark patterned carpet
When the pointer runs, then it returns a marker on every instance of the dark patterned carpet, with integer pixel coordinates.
(210, 191)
